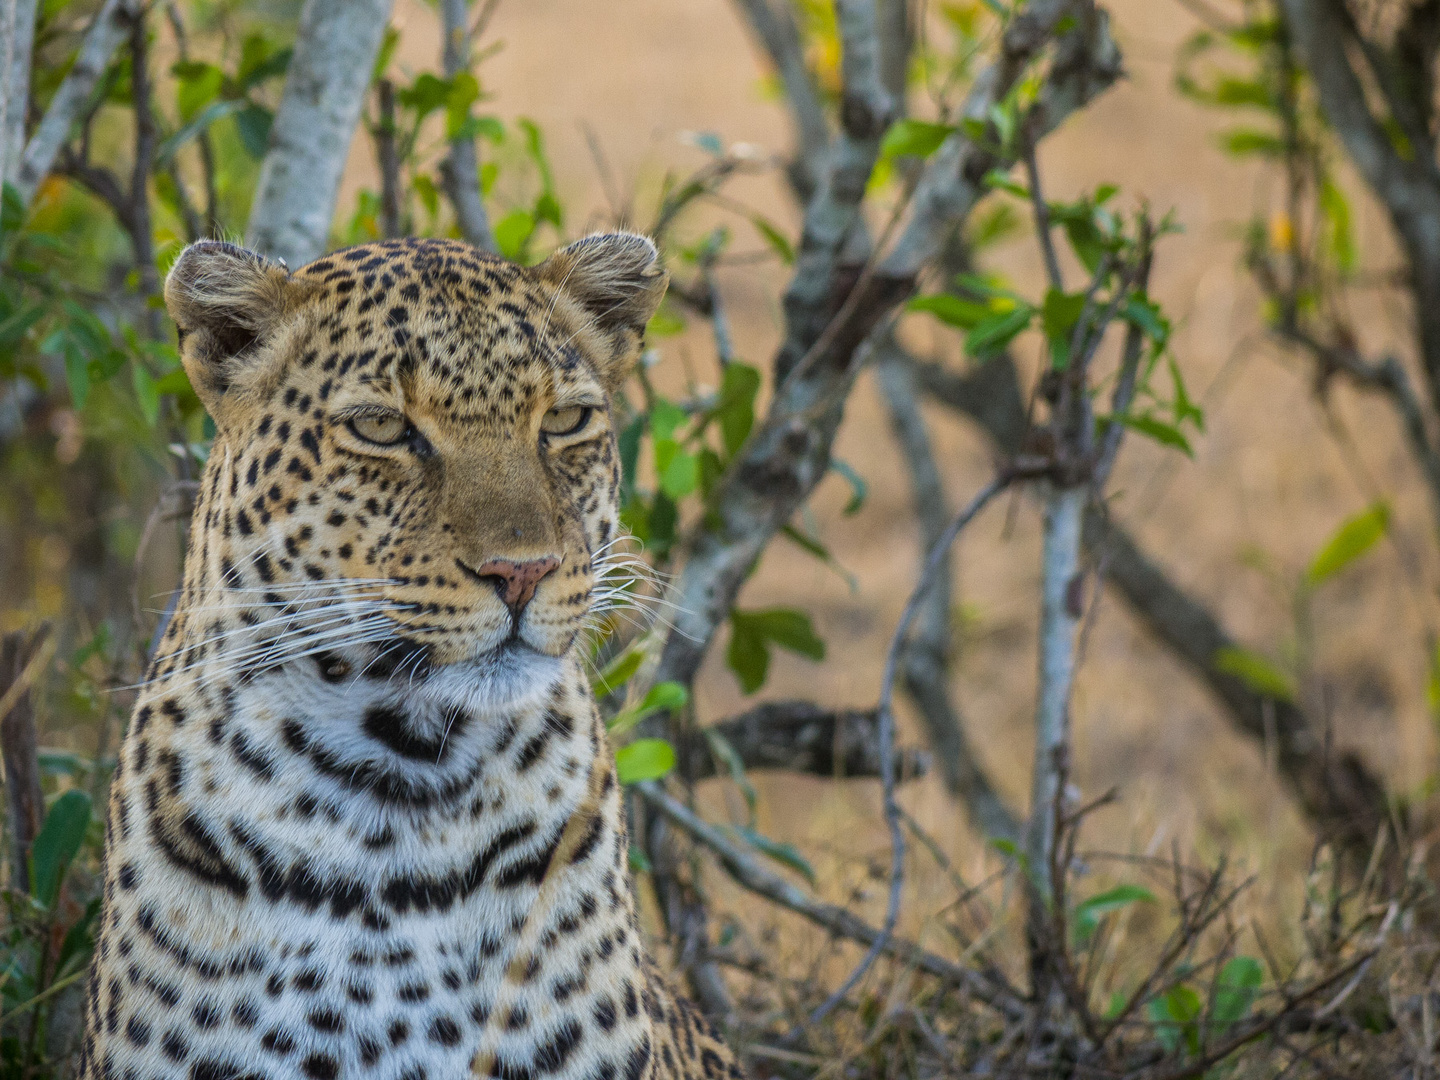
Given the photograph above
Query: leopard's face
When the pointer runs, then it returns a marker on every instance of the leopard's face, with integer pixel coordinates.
(415, 441)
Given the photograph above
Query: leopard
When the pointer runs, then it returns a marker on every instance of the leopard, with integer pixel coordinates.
(366, 820)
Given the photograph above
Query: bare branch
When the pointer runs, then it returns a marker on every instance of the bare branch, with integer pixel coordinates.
(798, 737)
(775, 27)
(935, 563)
(109, 28)
(335, 52)
(925, 662)
(23, 656)
(834, 209)
(747, 870)
(460, 172)
(1338, 792)
(389, 160)
(1407, 185)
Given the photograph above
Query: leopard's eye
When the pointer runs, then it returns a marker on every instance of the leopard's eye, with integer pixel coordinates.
(383, 429)
(566, 421)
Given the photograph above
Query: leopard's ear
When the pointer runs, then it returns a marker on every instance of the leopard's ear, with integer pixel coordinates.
(618, 280)
(226, 301)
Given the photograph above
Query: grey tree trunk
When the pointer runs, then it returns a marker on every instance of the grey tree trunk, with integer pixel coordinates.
(8, 47)
(461, 171)
(325, 88)
(110, 28)
(17, 93)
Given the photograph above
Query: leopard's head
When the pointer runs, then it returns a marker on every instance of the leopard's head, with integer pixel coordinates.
(414, 443)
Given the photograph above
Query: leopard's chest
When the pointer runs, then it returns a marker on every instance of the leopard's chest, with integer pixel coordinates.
(291, 895)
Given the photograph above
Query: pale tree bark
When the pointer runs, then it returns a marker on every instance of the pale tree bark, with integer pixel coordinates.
(1060, 613)
(110, 27)
(8, 47)
(17, 92)
(460, 172)
(325, 87)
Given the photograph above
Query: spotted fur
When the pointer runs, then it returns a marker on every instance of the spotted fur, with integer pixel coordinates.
(366, 822)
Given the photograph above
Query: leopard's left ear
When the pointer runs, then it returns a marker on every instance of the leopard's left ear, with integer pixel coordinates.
(618, 279)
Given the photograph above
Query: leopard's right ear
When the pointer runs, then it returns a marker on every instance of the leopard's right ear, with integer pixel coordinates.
(226, 302)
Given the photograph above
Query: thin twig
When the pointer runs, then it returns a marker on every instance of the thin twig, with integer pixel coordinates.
(748, 873)
(933, 565)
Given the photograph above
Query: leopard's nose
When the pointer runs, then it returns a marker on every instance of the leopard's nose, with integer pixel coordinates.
(514, 582)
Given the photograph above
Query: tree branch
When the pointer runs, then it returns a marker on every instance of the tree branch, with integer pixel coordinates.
(109, 28)
(1406, 185)
(335, 52)
(17, 96)
(749, 873)
(788, 453)
(799, 737)
(780, 37)
(1340, 795)
(460, 172)
(925, 662)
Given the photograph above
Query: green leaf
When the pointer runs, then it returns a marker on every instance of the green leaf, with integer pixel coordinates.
(775, 239)
(1088, 913)
(1000, 180)
(736, 409)
(200, 83)
(662, 697)
(1174, 1015)
(639, 861)
(1085, 237)
(681, 476)
(789, 629)
(1336, 210)
(1354, 538)
(859, 489)
(1160, 431)
(913, 138)
(56, 845)
(721, 748)
(259, 62)
(629, 444)
(664, 323)
(253, 125)
(644, 759)
(1058, 316)
(145, 393)
(77, 372)
(665, 418)
(753, 632)
(1236, 988)
(997, 331)
(386, 53)
(1245, 142)
(784, 853)
(1255, 671)
(952, 310)
(617, 673)
(216, 110)
(426, 94)
(1146, 314)
(513, 232)
(748, 655)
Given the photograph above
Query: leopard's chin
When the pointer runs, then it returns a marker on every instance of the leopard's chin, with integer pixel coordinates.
(510, 676)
